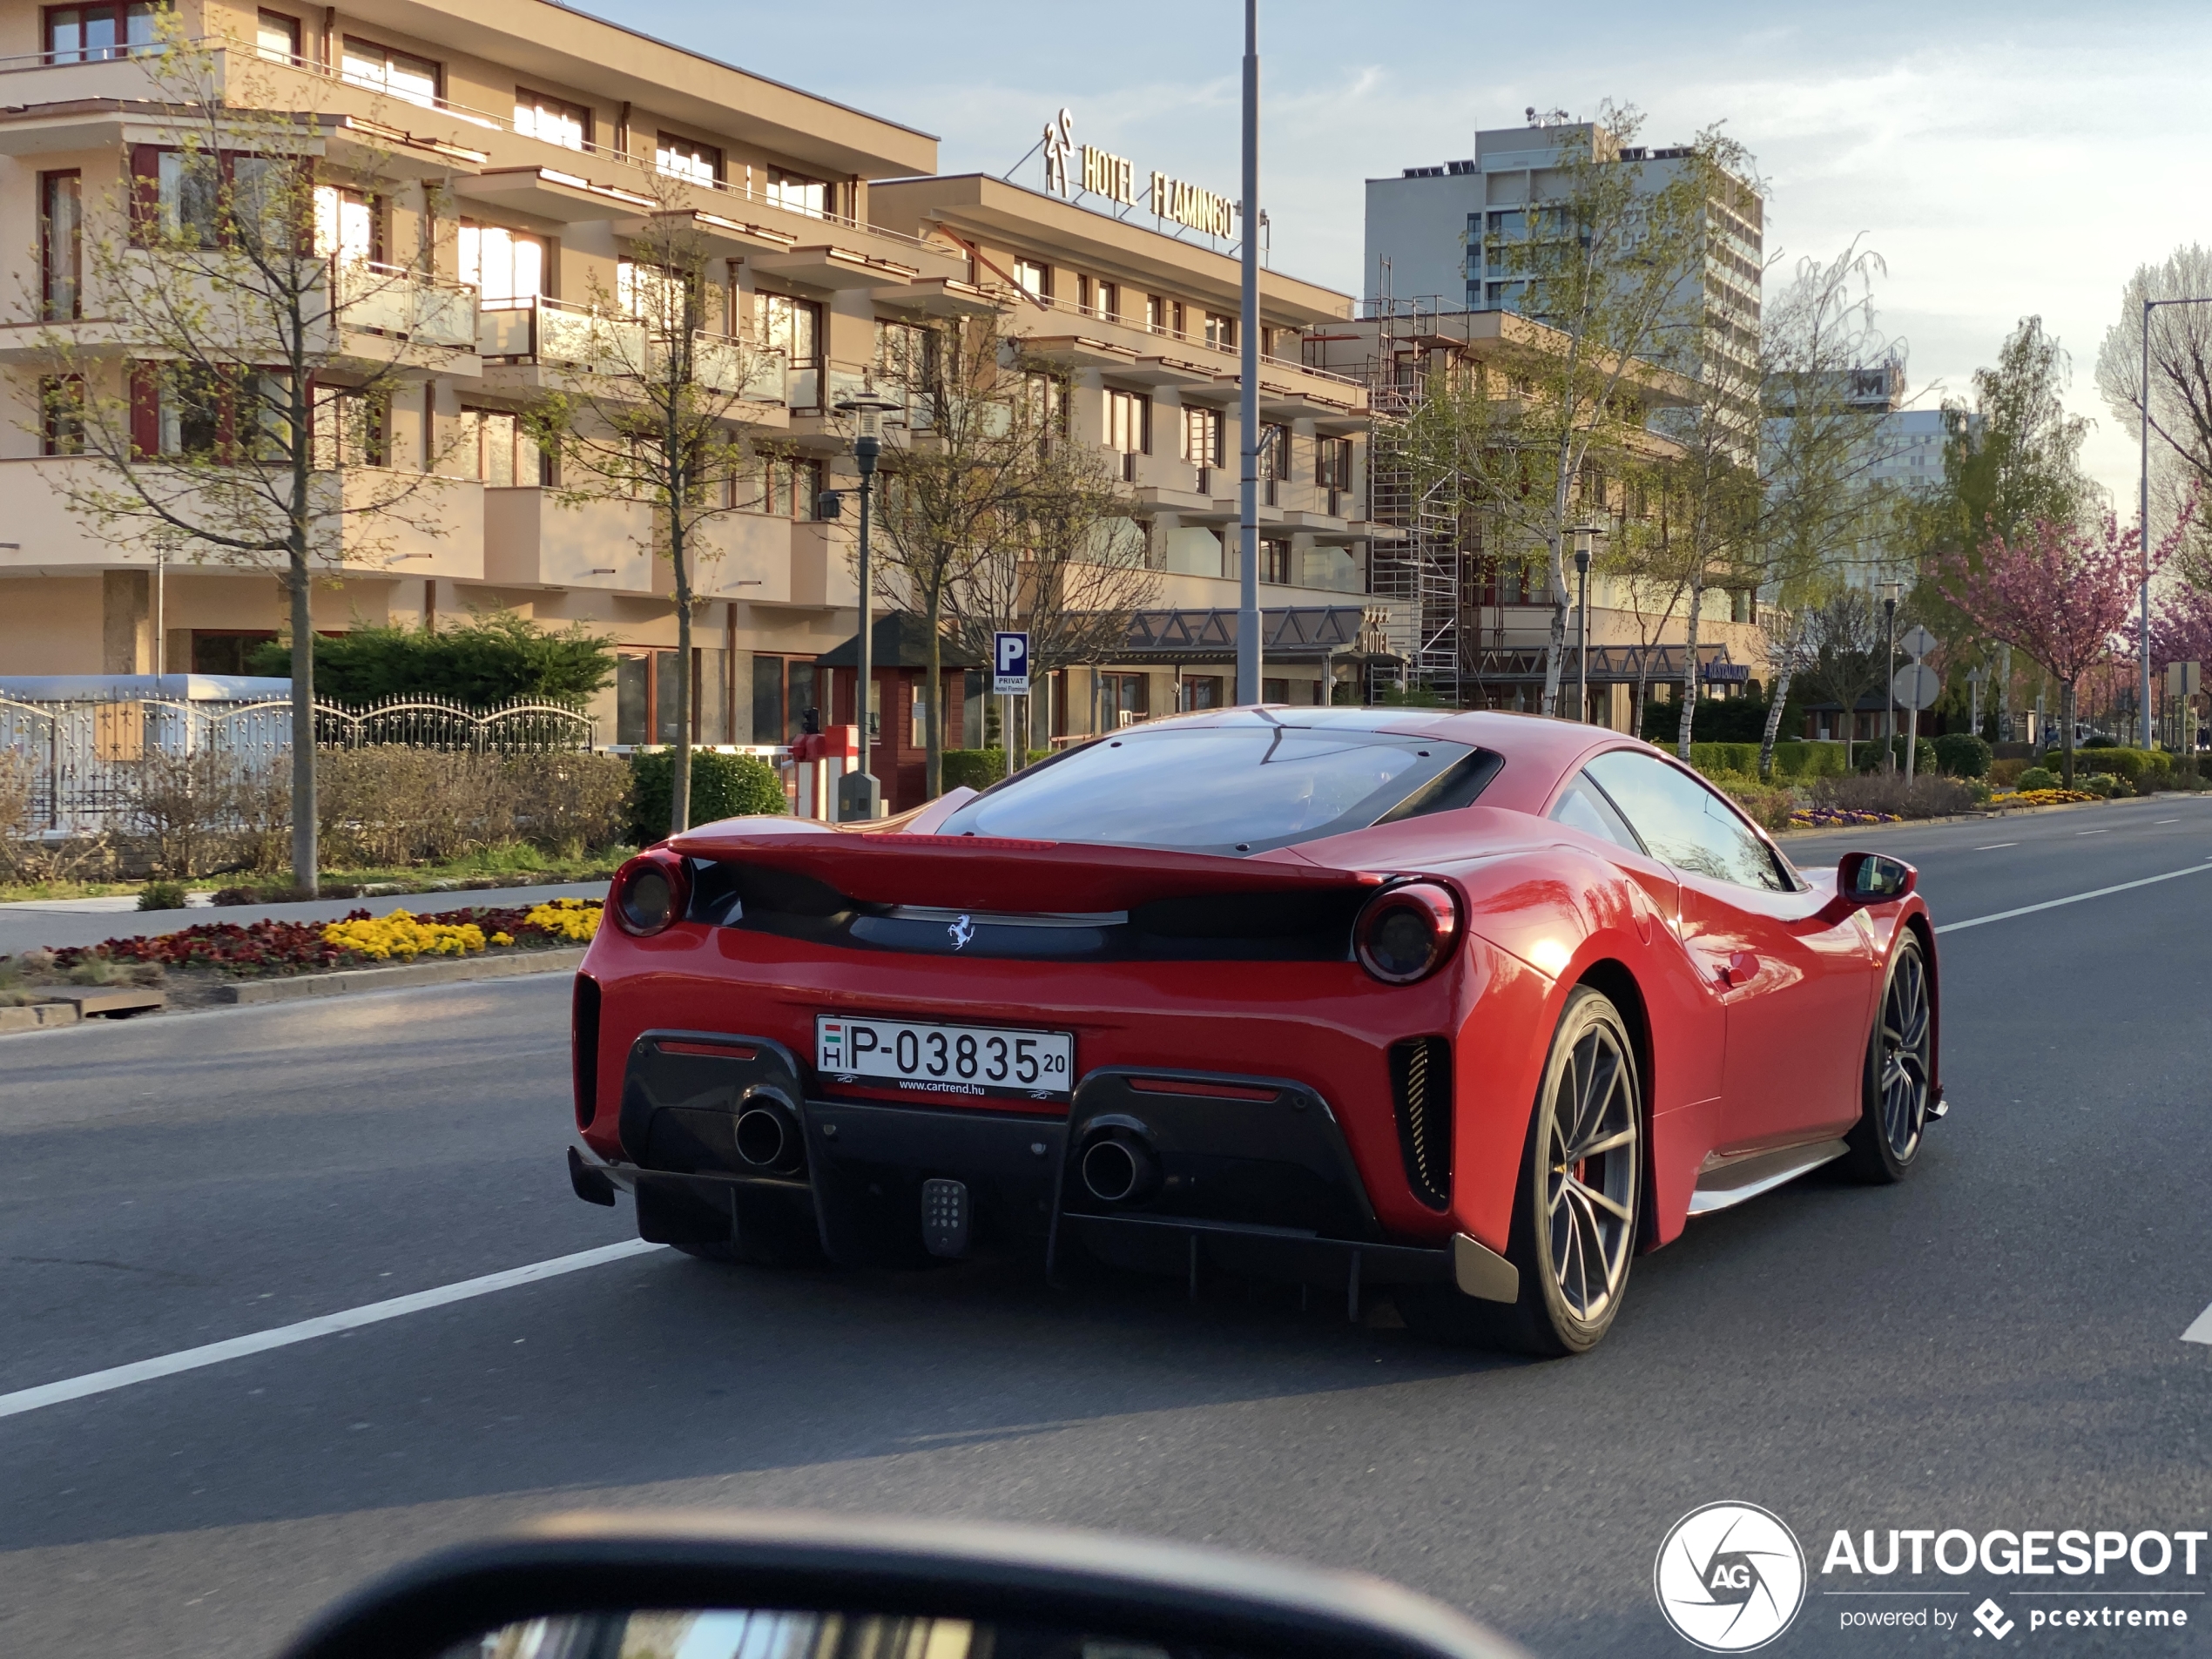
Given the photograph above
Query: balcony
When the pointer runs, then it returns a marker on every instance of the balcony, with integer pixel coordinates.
(537, 330)
(531, 540)
(388, 300)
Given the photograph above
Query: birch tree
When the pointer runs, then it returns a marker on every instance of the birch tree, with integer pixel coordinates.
(221, 355)
(656, 411)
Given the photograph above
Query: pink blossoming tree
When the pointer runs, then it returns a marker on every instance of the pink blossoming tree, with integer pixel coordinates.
(2058, 593)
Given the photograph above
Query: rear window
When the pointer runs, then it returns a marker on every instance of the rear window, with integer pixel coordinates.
(1236, 788)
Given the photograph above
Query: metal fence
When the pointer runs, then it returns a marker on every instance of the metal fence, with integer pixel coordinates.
(79, 759)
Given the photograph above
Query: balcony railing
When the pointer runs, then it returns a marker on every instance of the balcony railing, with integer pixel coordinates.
(393, 301)
(541, 329)
(1232, 354)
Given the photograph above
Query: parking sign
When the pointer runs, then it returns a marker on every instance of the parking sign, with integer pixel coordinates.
(1010, 665)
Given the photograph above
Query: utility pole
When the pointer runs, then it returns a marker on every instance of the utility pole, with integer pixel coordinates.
(1248, 636)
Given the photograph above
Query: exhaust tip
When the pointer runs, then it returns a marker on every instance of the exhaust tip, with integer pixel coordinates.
(767, 1139)
(1119, 1168)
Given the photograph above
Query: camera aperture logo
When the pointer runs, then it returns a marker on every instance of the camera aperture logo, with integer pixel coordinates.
(1730, 1577)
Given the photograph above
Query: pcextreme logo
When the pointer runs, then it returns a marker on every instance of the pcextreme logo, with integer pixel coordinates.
(1730, 1577)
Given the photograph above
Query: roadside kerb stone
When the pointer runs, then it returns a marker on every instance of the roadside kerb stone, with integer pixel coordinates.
(37, 1016)
(296, 987)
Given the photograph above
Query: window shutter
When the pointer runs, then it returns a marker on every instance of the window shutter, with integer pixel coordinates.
(145, 187)
(146, 410)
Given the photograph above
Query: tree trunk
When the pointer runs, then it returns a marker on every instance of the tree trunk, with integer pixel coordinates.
(679, 773)
(1555, 647)
(1643, 686)
(1779, 695)
(305, 859)
(2065, 717)
(1689, 672)
(2004, 693)
(933, 701)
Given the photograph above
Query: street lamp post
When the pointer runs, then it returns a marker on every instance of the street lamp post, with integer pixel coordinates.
(2143, 522)
(859, 795)
(1248, 636)
(1583, 533)
(1889, 679)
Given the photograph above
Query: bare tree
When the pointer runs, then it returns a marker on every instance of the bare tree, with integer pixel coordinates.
(658, 411)
(1842, 650)
(992, 516)
(2180, 386)
(222, 341)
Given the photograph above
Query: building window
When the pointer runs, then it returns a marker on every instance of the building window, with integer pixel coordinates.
(785, 691)
(61, 415)
(791, 326)
(1048, 396)
(61, 245)
(687, 158)
(553, 119)
(797, 193)
(1129, 422)
(1034, 279)
(88, 33)
(277, 37)
(501, 264)
(507, 456)
(1123, 699)
(1332, 463)
(1221, 332)
(646, 688)
(402, 74)
(780, 486)
(1202, 692)
(1274, 453)
(1163, 316)
(348, 224)
(1275, 567)
(1201, 435)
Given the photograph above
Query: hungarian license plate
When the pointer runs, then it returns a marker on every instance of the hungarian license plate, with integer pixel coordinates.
(927, 1058)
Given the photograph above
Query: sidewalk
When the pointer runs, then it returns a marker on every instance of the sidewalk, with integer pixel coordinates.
(87, 922)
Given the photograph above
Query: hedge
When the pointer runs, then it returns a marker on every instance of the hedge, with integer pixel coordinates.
(1791, 760)
(722, 786)
(1962, 754)
(978, 768)
(2134, 764)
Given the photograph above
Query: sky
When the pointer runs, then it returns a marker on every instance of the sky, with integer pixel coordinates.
(2003, 158)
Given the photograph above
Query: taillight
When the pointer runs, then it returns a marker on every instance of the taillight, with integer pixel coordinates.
(1407, 932)
(650, 893)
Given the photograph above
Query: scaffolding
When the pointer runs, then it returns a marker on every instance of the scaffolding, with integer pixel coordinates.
(1417, 574)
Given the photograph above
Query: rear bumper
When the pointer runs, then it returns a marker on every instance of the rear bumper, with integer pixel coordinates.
(1246, 1175)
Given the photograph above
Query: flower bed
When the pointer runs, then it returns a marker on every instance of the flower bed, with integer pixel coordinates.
(1838, 817)
(2041, 798)
(359, 940)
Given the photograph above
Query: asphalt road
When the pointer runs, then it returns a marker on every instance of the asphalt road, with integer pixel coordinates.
(1995, 1342)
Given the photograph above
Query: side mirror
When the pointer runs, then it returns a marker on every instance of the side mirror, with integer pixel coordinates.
(1873, 878)
(717, 1586)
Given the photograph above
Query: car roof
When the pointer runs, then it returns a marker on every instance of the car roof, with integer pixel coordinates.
(1539, 749)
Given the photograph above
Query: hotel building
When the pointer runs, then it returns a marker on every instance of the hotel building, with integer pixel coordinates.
(522, 147)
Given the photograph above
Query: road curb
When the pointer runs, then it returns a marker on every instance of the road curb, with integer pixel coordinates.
(37, 1016)
(354, 980)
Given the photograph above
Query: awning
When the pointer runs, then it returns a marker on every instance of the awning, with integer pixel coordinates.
(1609, 665)
(1295, 634)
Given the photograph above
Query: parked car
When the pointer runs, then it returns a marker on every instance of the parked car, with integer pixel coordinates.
(1471, 1006)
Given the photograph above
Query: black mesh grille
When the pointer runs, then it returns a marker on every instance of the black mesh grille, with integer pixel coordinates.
(1420, 1086)
(583, 1047)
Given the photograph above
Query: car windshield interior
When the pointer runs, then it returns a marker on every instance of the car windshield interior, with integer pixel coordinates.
(1232, 788)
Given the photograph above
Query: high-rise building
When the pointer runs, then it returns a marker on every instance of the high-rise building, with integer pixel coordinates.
(1441, 238)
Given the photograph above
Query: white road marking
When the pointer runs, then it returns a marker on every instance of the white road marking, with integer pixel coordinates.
(2202, 1331)
(2053, 904)
(2165, 821)
(1991, 848)
(214, 1354)
(2089, 831)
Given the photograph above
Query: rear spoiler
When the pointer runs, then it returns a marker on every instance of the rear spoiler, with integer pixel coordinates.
(981, 873)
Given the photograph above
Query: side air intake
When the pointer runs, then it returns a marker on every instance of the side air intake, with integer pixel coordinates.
(1421, 1087)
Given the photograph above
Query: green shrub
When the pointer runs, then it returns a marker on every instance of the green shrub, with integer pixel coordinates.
(1762, 803)
(493, 657)
(978, 768)
(1807, 760)
(1710, 758)
(2036, 777)
(1962, 754)
(162, 895)
(1869, 755)
(2005, 773)
(2113, 762)
(2104, 785)
(722, 786)
(1733, 720)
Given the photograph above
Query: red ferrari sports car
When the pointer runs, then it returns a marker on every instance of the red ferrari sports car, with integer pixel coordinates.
(1472, 1005)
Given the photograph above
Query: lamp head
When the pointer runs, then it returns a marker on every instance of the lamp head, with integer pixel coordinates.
(867, 408)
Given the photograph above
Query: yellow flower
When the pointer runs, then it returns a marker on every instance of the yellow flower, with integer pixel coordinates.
(503, 939)
(576, 920)
(382, 938)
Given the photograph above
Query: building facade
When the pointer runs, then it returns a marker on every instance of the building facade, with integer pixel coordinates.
(523, 150)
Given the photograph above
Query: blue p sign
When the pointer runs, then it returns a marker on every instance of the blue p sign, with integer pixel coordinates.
(1010, 665)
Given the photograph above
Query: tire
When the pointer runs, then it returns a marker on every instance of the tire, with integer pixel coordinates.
(1894, 1080)
(1576, 1207)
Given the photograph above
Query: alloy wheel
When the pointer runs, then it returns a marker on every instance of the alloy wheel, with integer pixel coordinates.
(1904, 1057)
(1591, 1168)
